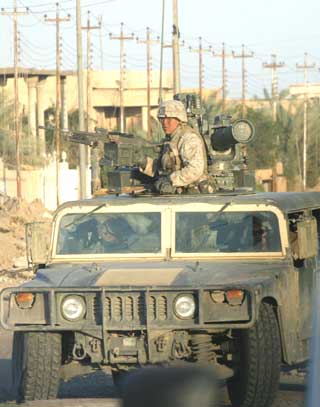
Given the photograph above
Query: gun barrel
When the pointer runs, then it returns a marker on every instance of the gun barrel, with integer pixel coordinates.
(81, 139)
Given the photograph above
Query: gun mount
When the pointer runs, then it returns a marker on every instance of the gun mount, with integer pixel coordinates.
(226, 145)
(115, 155)
(227, 157)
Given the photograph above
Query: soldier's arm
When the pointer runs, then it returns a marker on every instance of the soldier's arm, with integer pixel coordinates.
(192, 155)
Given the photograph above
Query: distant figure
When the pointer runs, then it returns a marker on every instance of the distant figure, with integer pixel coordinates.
(171, 387)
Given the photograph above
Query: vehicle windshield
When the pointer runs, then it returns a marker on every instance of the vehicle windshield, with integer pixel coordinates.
(105, 233)
(227, 232)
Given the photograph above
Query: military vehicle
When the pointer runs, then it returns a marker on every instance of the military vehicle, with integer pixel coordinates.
(124, 281)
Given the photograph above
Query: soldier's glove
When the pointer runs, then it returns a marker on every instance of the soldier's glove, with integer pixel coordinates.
(164, 186)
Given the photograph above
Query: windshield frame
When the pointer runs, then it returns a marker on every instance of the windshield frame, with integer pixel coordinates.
(168, 218)
(194, 207)
(138, 208)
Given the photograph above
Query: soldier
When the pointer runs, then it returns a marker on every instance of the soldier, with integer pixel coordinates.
(182, 164)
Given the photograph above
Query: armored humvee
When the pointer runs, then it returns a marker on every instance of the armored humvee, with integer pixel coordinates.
(126, 281)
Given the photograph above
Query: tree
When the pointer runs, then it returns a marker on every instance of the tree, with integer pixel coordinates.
(7, 137)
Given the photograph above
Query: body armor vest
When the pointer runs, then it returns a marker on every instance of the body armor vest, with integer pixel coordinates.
(170, 159)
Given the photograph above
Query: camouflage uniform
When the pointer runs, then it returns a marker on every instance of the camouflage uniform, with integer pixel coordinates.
(183, 154)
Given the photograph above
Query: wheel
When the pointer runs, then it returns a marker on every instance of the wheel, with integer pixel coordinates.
(36, 361)
(257, 378)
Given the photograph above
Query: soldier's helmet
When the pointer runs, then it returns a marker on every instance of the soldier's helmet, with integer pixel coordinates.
(173, 108)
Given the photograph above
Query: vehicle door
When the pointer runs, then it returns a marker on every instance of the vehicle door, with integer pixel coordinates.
(304, 244)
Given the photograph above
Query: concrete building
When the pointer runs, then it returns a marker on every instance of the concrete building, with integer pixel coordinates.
(37, 94)
(312, 90)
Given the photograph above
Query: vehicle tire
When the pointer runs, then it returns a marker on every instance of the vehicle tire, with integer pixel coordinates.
(257, 378)
(36, 361)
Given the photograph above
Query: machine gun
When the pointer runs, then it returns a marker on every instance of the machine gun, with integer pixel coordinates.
(114, 158)
(115, 155)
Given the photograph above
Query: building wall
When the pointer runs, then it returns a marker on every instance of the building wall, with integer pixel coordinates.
(41, 183)
(105, 90)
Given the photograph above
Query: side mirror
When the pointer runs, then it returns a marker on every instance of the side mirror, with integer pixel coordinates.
(38, 237)
(305, 242)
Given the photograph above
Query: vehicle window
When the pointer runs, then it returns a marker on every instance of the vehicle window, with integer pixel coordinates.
(209, 232)
(110, 233)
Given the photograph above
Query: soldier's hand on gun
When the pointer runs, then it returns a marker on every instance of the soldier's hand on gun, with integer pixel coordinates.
(163, 185)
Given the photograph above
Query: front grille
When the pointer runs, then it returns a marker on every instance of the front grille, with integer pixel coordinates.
(158, 308)
(123, 309)
(131, 308)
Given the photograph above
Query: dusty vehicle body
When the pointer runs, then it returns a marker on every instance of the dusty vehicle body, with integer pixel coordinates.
(195, 289)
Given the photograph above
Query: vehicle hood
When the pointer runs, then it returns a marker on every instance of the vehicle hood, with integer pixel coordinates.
(160, 274)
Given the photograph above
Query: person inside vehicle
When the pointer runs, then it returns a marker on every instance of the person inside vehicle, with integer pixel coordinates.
(260, 232)
(112, 235)
(128, 234)
(182, 163)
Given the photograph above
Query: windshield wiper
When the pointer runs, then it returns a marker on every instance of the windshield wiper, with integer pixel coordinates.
(85, 215)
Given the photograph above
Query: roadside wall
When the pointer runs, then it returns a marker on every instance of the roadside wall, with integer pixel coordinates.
(42, 183)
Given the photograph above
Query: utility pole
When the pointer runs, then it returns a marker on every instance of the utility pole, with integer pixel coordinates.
(223, 57)
(243, 56)
(93, 155)
(305, 68)
(88, 28)
(273, 65)
(101, 42)
(148, 43)
(57, 20)
(161, 51)
(175, 48)
(122, 38)
(15, 15)
(82, 148)
(200, 51)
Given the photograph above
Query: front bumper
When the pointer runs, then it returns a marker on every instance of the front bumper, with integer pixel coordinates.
(123, 309)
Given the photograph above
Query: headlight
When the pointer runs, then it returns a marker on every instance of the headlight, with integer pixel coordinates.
(73, 308)
(185, 306)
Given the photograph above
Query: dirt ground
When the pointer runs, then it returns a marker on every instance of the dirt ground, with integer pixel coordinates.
(14, 214)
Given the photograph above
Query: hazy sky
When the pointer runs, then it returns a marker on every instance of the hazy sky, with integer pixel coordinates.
(288, 28)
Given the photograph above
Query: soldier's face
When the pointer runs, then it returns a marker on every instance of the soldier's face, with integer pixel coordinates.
(105, 234)
(169, 124)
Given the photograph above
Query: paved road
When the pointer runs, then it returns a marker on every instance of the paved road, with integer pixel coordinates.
(97, 389)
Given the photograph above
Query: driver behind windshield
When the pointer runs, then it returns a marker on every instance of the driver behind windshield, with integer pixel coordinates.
(112, 235)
